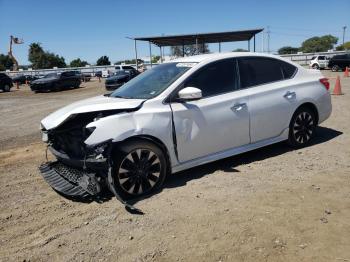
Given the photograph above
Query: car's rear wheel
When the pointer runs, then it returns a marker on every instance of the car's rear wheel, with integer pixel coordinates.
(302, 127)
(7, 88)
(335, 68)
(139, 169)
(315, 66)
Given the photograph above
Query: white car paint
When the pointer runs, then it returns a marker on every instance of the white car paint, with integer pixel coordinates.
(211, 128)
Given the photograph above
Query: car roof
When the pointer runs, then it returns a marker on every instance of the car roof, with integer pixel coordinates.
(217, 56)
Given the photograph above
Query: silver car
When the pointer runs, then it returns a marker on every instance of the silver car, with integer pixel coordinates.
(181, 114)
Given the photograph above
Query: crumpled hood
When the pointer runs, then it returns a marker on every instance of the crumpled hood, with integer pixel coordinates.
(94, 104)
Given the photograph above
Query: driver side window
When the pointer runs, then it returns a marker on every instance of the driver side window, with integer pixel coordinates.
(215, 79)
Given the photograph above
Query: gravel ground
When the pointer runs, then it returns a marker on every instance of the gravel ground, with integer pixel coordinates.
(272, 204)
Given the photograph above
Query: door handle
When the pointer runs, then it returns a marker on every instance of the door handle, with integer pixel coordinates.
(290, 95)
(238, 107)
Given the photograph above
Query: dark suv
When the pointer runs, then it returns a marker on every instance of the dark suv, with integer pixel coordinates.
(339, 62)
(5, 82)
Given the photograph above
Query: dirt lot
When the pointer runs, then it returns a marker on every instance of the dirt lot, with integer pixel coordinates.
(273, 204)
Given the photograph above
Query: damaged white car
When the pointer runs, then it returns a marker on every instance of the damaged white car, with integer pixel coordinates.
(178, 115)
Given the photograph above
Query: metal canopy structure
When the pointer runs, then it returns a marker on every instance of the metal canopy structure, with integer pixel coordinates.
(198, 39)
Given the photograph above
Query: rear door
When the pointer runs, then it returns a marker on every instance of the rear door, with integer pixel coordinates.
(271, 98)
(217, 122)
(322, 61)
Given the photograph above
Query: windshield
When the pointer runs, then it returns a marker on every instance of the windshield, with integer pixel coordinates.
(50, 75)
(119, 72)
(152, 82)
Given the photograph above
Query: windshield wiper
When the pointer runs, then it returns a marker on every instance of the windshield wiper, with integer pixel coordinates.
(125, 97)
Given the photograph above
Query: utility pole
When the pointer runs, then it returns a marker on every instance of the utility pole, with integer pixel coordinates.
(268, 39)
(344, 28)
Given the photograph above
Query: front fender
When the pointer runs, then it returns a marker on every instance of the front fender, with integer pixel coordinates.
(142, 122)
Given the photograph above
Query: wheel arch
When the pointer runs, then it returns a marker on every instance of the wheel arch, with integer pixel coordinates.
(310, 106)
(156, 141)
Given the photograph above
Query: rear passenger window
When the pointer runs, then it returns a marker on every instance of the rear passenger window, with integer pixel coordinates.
(288, 70)
(215, 78)
(260, 70)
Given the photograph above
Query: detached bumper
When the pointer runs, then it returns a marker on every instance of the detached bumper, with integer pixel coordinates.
(70, 181)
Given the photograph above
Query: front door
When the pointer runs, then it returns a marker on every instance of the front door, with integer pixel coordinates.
(217, 122)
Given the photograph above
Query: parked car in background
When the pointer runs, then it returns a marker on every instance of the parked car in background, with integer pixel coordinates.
(119, 78)
(339, 62)
(110, 72)
(178, 115)
(22, 79)
(5, 82)
(56, 82)
(85, 77)
(319, 62)
(98, 74)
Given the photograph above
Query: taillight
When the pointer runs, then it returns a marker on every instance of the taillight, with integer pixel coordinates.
(325, 82)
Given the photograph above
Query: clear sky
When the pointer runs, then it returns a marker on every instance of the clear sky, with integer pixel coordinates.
(89, 29)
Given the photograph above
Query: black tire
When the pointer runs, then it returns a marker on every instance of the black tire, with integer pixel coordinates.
(6, 88)
(55, 88)
(77, 84)
(139, 168)
(302, 127)
(335, 68)
(315, 66)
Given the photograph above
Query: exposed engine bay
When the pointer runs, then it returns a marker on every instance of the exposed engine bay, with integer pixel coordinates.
(80, 170)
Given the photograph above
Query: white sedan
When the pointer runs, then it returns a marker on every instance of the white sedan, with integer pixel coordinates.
(181, 114)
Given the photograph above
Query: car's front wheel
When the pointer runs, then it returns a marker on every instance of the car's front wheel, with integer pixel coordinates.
(7, 88)
(302, 127)
(139, 168)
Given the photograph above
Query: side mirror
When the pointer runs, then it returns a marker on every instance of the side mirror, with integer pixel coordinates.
(189, 94)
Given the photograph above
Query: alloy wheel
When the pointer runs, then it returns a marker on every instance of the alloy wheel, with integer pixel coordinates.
(139, 171)
(303, 127)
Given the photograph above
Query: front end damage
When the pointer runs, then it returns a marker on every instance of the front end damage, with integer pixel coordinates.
(80, 170)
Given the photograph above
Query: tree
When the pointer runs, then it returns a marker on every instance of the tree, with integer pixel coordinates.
(319, 44)
(155, 59)
(189, 50)
(5, 62)
(288, 50)
(345, 46)
(41, 59)
(78, 63)
(103, 60)
(240, 50)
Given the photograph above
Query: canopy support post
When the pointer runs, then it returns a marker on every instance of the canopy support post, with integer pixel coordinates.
(150, 53)
(161, 56)
(183, 48)
(219, 47)
(254, 43)
(249, 45)
(137, 64)
(197, 46)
